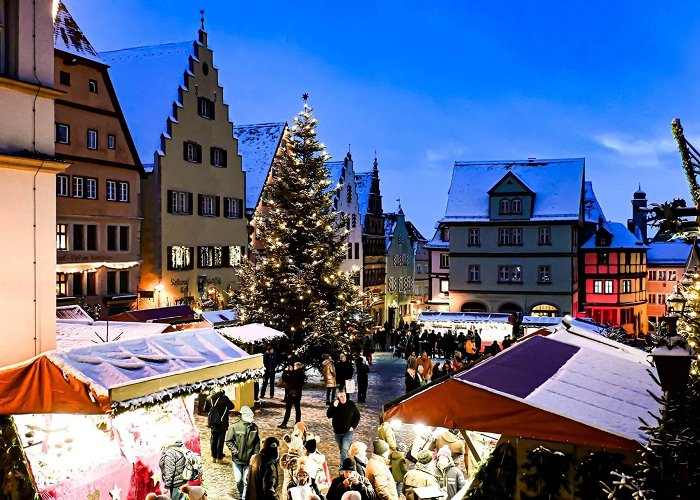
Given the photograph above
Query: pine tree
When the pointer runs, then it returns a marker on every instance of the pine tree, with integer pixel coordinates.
(296, 285)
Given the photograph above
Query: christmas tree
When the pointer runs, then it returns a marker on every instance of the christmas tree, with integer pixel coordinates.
(296, 285)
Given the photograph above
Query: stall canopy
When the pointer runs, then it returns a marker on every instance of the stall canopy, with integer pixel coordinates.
(249, 334)
(125, 374)
(170, 314)
(76, 334)
(543, 389)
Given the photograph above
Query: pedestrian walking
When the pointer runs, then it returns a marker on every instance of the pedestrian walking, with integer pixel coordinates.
(344, 416)
(368, 349)
(358, 452)
(172, 466)
(450, 477)
(350, 481)
(262, 474)
(420, 476)
(218, 423)
(270, 365)
(362, 379)
(378, 472)
(329, 377)
(344, 371)
(243, 439)
(293, 381)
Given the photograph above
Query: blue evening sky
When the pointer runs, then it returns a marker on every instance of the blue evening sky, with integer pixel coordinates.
(426, 83)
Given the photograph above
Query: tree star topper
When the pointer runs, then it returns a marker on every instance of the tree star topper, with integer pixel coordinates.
(305, 96)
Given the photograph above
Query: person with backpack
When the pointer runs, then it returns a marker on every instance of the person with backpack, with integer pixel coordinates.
(262, 474)
(218, 423)
(243, 439)
(177, 466)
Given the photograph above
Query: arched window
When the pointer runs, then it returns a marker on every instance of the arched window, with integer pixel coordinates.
(547, 310)
(516, 206)
(349, 194)
(473, 307)
(504, 206)
(510, 308)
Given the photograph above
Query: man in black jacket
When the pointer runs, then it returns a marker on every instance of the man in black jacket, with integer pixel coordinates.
(350, 480)
(293, 379)
(218, 423)
(270, 365)
(243, 440)
(343, 371)
(345, 416)
(262, 474)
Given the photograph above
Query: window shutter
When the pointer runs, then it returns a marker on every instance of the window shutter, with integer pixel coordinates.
(212, 109)
(184, 150)
(211, 156)
(240, 208)
(191, 251)
(169, 257)
(171, 197)
(224, 256)
(199, 256)
(227, 212)
(217, 206)
(224, 160)
(199, 153)
(190, 202)
(200, 203)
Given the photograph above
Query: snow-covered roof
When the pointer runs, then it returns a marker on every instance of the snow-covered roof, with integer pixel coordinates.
(621, 238)
(592, 212)
(460, 317)
(69, 38)
(669, 253)
(70, 335)
(389, 228)
(335, 171)
(557, 183)
(257, 145)
(363, 185)
(413, 232)
(218, 317)
(437, 242)
(250, 334)
(73, 314)
(146, 80)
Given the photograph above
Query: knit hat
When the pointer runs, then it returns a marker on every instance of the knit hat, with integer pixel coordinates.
(424, 457)
(444, 451)
(349, 464)
(193, 492)
(247, 414)
(310, 445)
(380, 446)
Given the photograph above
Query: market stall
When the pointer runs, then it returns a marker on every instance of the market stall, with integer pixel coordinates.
(91, 421)
(254, 333)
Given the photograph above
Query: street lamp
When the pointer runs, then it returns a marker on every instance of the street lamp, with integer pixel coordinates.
(672, 357)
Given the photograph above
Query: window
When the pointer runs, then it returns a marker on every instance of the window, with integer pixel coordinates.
(217, 157)
(180, 202)
(111, 141)
(603, 258)
(354, 220)
(503, 236)
(62, 133)
(235, 256)
(62, 237)
(233, 208)
(661, 298)
(598, 286)
(349, 250)
(180, 258)
(672, 275)
(510, 236)
(123, 281)
(445, 234)
(510, 274)
(208, 205)
(91, 188)
(444, 286)
(77, 284)
(400, 259)
(474, 273)
(92, 139)
(124, 238)
(504, 207)
(210, 256)
(91, 238)
(544, 274)
(608, 286)
(357, 250)
(62, 188)
(111, 238)
(348, 194)
(92, 86)
(91, 282)
(419, 269)
(124, 191)
(78, 242)
(205, 108)
(516, 236)
(61, 284)
(544, 236)
(111, 190)
(474, 236)
(391, 284)
(64, 78)
(444, 261)
(111, 282)
(652, 299)
(192, 152)
(401, 239)
(626, 286)
(516, 206)
(661, 275)
(8, 37)
(78, 184)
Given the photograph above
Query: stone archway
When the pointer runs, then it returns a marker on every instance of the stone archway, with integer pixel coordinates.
(474, 307)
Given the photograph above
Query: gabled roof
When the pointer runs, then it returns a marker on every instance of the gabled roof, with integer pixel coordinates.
(592, 212)
(73, 334)
(146, 80)
(557, 184)
(437, 242)
(69, 38)
(669, 253)
(621, 238)
(510, 175)
(257, 145)
(335, 170)
(413, 232)
(363, 184)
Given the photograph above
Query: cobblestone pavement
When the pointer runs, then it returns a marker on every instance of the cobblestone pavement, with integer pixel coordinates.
(385, 383)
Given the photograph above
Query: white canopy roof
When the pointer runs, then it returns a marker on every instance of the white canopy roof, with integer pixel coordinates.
(254, 332)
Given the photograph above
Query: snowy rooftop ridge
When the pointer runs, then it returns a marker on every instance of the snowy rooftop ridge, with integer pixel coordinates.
(257, 145)
(363, 184)
(69, 38)
(557, 184)
(621, 238)
(669, 253)
(592, 210)
(146, 80)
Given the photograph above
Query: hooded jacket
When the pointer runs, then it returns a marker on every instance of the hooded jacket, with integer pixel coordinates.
(451, 479)
(452, 441)
(262, 475)
(418, 477)
(386, 433)
(380, 477)
(398, 465)
(172, 465)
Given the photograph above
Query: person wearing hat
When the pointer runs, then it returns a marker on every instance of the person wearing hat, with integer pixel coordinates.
(378, 471)
(350, 481)
(262, 474)
(358, 452)
(450, 477)
(243, 439)
(305, 484)
(450, 438)
(420, 476)
(194, 492)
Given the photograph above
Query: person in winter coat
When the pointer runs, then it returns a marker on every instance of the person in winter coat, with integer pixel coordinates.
(243, 439)
(270, 365)
(293, 380)
(344, 371)
(411, 379)
(306, 484)
(329, 378)
(350, 480)
(427, 365)
(345, 416)
(399, 467)
(172, 465)
(368, 349)
(379, 474)
(420, 476)
(362, 379)
(358, 452)
(451, 439)
(450, 477)
(218, 423)
(295, 450)
(262, 474)
(317, 465)
(385, 432)
(421, 442)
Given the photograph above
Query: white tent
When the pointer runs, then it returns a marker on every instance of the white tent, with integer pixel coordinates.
(249, 334)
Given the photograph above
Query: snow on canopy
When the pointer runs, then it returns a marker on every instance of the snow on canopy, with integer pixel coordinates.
(363, 184)
(78, 334)
(69, 38)
(557, 184)
(592, 211)
(621, 238)
(668, 253)
(251, 333)
(146, 80)
(257, 145)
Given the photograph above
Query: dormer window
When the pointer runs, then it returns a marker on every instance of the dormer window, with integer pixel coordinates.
(445, 236)
(504, 207)
(516, 206)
